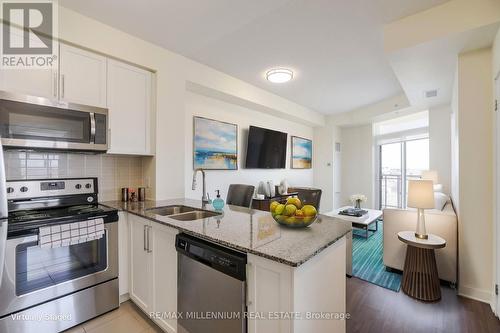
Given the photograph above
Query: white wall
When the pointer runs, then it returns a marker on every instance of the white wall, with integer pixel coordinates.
(496, 233)
(455, 151)
(475, 133)
(358, 164)
(166, 172)
(440, 144)
(327, 165)
(198, 105)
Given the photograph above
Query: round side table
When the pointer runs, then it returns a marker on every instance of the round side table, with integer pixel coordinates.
(420, 274)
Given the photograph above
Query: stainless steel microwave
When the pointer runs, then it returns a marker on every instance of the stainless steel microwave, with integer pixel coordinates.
(30, 122)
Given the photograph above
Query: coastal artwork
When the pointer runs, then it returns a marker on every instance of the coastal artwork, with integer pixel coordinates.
(301, 153)
(215, 145)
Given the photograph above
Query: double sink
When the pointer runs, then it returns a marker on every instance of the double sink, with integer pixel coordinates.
(182, 213)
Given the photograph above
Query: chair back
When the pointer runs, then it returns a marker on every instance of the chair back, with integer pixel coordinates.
(240, 195)
(308, 196)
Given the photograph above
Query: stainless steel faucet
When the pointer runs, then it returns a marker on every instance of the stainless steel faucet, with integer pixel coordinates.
(205, 199)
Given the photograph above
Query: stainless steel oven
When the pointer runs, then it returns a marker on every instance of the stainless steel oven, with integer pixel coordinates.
(40, 123)
(33, 275)
(61, 256)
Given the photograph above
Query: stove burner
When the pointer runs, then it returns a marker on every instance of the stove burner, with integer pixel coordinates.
(25, 216)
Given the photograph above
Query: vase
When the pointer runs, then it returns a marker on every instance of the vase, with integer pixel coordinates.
(357, 204)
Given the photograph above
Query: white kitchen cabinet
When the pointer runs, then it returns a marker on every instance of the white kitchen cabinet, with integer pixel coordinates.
(82, 76)
(34, 82)
(140, 283)
(316, 287)
(123, 255)
(129, 103)
(164, 275)
(153, 270)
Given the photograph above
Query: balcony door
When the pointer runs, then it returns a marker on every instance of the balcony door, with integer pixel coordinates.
(400, 162)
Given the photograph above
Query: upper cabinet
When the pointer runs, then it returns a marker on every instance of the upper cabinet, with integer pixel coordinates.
(88, 78)
(82, 76)
(34, 82)
(129, 103)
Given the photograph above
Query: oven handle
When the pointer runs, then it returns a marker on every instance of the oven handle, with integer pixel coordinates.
(92, 127)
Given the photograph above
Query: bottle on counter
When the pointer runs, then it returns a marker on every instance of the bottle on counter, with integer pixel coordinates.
(218, 202)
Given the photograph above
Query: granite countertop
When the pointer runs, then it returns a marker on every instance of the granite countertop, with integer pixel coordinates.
(248, 230)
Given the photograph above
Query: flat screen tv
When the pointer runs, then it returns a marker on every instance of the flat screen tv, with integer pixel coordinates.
(266, 149)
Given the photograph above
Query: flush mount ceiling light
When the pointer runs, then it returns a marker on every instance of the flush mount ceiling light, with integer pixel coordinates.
(279, 75)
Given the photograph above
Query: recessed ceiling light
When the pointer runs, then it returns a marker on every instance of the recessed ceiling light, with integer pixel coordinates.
(279, 75)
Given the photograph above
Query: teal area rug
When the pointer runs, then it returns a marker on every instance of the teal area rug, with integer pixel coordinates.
(367, 261)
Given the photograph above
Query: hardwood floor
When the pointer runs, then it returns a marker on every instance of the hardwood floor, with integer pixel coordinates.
(375, 309)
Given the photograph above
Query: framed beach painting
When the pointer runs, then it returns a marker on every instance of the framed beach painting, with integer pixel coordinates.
(301, 153)
(215, 145)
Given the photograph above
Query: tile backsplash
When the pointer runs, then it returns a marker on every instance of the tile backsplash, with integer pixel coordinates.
(113, 172)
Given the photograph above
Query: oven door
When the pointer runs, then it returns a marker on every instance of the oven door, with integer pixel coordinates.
(34, 275)
(34, 122)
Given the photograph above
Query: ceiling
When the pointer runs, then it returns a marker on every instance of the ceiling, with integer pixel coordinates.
(334, 46)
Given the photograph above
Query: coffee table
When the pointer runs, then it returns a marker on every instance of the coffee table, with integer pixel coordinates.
(364, 222)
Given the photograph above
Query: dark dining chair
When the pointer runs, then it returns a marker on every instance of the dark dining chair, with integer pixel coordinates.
(240, 195)
(308, 196)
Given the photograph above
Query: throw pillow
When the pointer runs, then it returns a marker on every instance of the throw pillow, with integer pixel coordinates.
(440, 200)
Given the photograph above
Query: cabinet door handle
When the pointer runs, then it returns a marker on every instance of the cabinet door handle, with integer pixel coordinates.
(247, 300)
(55, 84)
(144, 231)
(62, 86)
(149, 239)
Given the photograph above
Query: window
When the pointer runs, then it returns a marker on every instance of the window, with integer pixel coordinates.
(399, 163)
(403, 153)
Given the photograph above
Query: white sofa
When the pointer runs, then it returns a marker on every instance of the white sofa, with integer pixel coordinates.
(442, 223)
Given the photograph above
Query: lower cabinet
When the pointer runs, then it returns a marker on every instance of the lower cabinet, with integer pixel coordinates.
(312, 290)
(153, 270)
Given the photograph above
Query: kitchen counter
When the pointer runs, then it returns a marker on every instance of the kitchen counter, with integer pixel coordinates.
(248, 230)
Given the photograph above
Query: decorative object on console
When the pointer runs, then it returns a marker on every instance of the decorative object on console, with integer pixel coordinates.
(270, 189)
(355, 212)
(215, 145)
(357, 199)
(301, 153)
(421, 196)
(283, 187)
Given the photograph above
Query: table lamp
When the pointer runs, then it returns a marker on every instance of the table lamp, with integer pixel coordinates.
(421, 196)
(430, 175)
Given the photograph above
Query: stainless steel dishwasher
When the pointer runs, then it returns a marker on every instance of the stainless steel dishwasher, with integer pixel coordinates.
(211, 287)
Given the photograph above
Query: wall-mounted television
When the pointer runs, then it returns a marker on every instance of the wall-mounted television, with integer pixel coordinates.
(266, 149)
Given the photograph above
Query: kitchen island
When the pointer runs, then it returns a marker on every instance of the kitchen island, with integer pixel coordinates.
(295, 277)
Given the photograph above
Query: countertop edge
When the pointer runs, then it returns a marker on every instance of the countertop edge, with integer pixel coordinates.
(230, 245)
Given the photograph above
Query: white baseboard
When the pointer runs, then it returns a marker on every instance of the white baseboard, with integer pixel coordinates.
(124, 298)
(480, 295)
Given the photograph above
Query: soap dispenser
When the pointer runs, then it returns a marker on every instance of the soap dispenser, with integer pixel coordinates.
(218, 203)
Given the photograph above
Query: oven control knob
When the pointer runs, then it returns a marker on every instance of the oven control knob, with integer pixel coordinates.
(78, 186)
(88, 185)
(10, 189)
(90, 199)
(24, 189)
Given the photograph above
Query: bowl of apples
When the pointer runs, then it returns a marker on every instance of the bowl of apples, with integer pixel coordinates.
(293, 214)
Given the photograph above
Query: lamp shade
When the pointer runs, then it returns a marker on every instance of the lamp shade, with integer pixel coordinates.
(430, 175)
(420, 194)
